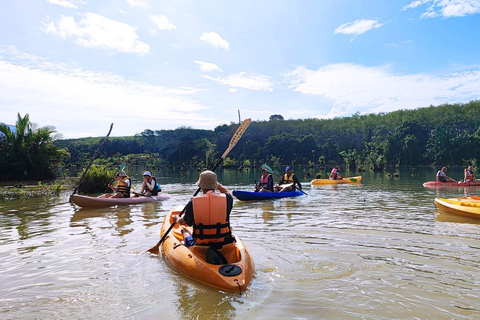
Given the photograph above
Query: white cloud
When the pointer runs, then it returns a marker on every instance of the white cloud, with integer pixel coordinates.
(241, 80)
(138, 3)
(446, 8)
(358, 27)
(96, 31)
(82, 103)
(355, 88)
(72, 4)
(415, 4)
(162, 23)
(207, 66)
(232, 90)
(215, 40)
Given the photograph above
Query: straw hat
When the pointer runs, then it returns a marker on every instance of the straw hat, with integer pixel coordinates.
(207, 180)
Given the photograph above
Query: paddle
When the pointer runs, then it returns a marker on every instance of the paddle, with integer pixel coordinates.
(90, 163)
(269, 170)
(353, 179)
(122, 167)
(236, 137)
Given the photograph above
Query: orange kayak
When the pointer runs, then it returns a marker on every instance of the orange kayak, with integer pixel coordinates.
(232, 276)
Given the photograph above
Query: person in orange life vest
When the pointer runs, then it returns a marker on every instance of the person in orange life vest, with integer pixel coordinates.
(335, 175)
(209, 214)
(469, 176)
(266, 182)
(122, 189)
(150, 187)
(442, 176)
(290, 179)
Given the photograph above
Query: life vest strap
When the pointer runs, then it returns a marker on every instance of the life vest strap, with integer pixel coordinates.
(199, 234)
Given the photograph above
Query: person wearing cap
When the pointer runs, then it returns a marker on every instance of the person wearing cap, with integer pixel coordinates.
(290, 180)
(335, 175)
(122, 189)
(266, 182)
(150, 186)
(208, 214)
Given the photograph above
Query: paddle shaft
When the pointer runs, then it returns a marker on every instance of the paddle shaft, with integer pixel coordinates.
(90, 163)
(236, 136)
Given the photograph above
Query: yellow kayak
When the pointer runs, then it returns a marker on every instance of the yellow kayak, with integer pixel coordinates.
(460, 207)
(232, 276)
(344, 180)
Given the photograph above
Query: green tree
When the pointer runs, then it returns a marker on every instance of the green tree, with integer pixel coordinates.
(28, 152)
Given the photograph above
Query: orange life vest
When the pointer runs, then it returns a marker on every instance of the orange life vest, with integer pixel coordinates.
(210, 215)
(469, 176)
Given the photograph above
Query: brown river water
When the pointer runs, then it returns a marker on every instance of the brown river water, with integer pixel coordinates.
(375, 250)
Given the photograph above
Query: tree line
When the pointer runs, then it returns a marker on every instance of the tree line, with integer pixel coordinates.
(444, 135)
(438, 135)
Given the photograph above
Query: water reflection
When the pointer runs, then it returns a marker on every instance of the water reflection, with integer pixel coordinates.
(119, 218)
(199, 302)
(442, 216)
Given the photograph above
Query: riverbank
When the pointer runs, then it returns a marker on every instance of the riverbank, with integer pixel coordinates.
(27, 189)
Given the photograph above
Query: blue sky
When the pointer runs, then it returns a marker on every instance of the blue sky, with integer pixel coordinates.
(80, 65)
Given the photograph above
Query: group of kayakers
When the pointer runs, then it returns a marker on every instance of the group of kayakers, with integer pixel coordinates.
(468, 175)
(150, 186)
(288, 182)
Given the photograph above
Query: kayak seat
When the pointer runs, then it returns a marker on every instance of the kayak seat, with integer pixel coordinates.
(214, 256)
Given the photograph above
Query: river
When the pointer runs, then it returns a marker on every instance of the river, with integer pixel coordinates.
(375, 250)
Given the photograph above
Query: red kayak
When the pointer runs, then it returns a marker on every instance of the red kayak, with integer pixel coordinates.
(434, 184)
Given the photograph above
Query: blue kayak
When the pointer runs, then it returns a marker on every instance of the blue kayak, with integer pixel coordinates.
(247, 195)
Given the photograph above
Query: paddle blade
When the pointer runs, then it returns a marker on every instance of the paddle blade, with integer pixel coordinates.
(353, 179)
(155, 250)
(237, 135)
(266, 167)
(123, 166)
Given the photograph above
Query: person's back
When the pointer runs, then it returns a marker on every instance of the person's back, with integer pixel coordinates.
(211, 219)
(208, 214)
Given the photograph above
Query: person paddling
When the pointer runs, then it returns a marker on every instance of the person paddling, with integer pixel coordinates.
(335, 174)
(442, 176)
(266, 182)
(209, 214)
(150, 186)
(122, 189)
(469, 176)
(291, 180)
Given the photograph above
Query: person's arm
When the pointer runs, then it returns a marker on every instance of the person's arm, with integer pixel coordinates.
(222, 189)
(187, 218)
(150, 185)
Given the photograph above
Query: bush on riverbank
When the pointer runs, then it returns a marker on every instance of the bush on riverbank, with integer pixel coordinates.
(96, 180)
